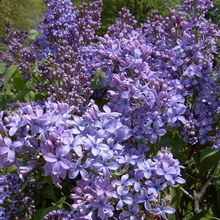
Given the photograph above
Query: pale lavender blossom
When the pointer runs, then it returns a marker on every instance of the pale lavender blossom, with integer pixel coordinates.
(9, 148)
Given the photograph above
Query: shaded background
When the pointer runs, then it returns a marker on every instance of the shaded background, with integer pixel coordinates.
(27, 14)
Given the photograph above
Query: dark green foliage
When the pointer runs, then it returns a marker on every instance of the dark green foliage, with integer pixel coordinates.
(214, 13)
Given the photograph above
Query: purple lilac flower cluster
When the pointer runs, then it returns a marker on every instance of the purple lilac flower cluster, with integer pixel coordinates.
(162, 74)
(64, 22)
(13, 204)
(184, 48)
(148, 102)
(65, 81)
(19, 52)
(98, 149)
(65, 32)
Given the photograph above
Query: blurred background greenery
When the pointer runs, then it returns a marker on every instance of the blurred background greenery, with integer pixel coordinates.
(27, 14)
(22, 14)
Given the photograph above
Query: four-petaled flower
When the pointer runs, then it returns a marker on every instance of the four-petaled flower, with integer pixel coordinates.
(58, 160)
(103, 166)
(103, 208)
(78, 168)
(10, 148)
(166, 171)
(162, 209)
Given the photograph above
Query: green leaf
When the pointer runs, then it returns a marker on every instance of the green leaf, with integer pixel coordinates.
(2, 67)
(5, 99)
(60, 203)
(3, 48)
(208, 152)
(49, 194)
(203, 215)
(96, 82)
(25, 90)
(216, 180)
(216, 205)
(10, 72)
(209, 159)
(33, 34)
(18, 82)
(39, 96)
(176, 144)
(176, 197)
(29, 96)
(175, 200)
(11, 169)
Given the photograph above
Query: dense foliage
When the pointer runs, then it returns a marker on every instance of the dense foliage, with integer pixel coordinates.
(124, 126)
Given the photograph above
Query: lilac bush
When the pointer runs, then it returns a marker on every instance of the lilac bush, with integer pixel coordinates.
(108, 104)
(96, 147)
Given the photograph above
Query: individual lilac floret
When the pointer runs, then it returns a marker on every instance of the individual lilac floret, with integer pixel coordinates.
(9, 148)
(166, 171)
(104, 166)
(154, 188)
(124, 198)
(125, 181)
(103, 208)
(162, 210)
(104, 187)
(77, 169)
(58, 161)
(144, 197)
(145, 168)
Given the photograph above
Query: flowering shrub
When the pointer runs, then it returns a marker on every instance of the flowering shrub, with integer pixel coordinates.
(108, 123)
